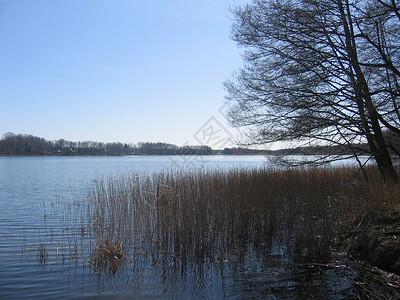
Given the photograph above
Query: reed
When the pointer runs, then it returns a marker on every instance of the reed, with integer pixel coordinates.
(175, 218)
(107, 255)
(42, 254)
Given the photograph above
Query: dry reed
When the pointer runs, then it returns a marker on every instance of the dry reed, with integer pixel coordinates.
(216, 216)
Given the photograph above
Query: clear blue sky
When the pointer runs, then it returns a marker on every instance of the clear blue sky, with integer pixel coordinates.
(115, 70)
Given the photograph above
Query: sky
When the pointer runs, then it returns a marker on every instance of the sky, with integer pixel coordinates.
(117, 70)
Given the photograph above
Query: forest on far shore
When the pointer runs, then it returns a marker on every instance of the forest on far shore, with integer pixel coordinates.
(28, 145)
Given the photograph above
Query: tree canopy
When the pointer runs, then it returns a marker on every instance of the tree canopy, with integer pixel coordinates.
(319, 72)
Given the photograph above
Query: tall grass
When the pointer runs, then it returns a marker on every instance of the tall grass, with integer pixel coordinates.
(176, 218)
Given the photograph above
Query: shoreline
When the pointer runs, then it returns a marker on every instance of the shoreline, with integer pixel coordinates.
(376, 238)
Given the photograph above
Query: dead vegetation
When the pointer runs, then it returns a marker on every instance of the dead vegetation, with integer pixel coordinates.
(177, 220)
(217, 216)
(108, 255)
(377, 238)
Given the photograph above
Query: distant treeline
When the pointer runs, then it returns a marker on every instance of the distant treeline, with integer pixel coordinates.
(25, 144)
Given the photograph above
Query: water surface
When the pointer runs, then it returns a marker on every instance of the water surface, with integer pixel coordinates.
(41, 200)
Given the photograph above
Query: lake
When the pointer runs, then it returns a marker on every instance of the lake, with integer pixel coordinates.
(41, 200)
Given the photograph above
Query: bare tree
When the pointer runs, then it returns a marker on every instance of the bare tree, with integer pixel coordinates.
(313, 75)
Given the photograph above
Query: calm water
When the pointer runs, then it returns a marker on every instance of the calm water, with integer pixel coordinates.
(41, 200)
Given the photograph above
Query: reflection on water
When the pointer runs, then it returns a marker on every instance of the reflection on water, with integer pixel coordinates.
(174, 235)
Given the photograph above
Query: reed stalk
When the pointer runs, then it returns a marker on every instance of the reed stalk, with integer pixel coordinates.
(176, 218)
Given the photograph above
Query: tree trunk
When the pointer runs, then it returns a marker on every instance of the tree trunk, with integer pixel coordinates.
(372, 127)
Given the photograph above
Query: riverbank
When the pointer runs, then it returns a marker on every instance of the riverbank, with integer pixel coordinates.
(376, 238)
